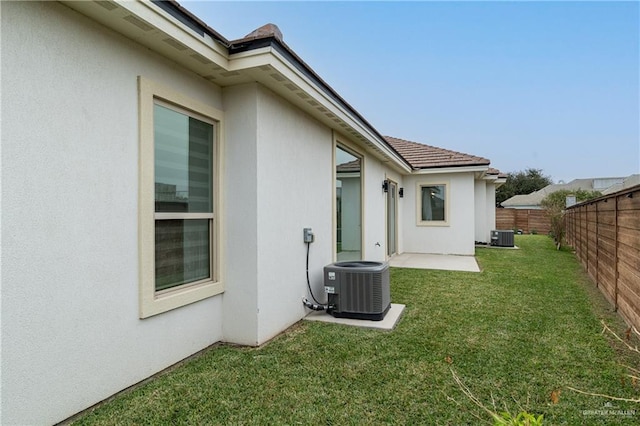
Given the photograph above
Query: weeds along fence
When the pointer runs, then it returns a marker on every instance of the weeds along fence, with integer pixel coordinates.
(605, 233)
(526, 219)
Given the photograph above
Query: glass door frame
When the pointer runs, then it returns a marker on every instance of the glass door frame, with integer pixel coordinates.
(339, 143)
(392, 198)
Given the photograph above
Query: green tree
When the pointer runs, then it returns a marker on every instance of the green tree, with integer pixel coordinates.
(555, 203)
(522, 182)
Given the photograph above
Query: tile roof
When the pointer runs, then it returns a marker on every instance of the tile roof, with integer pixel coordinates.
(492, 171)
(421, 156)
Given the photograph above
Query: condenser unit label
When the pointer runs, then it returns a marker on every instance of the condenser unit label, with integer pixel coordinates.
(331, 276)
(330, 290)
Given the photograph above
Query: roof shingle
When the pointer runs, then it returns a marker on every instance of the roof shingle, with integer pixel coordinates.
(421, 156)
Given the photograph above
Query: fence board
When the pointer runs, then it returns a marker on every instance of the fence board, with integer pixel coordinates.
(629, 219)
(628, 238)
(606, 232)
(606, 206)
(505, 219)
(629, 294)
(631, 258)
(606, 237)
(628, 312)
(527, 220)
(629, 203)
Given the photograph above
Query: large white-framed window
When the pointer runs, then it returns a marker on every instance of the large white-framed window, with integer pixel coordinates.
(432, 203)
(179, 187)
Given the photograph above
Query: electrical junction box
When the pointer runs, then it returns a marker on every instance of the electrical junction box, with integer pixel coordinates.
(358, 289)
(307, 235)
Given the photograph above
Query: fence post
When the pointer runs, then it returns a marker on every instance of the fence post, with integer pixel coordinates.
(597, 246)
(615, 251)
(586, 224)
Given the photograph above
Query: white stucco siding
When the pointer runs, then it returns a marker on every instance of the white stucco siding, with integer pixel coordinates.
(240, 300)
(456, 237)
(491, 210)
(71, 335)
(375, 236)
(399, 180)
(295, 191)
(480, 201)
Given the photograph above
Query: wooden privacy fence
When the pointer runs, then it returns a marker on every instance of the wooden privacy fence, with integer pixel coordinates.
(605, 234)
(525, 219)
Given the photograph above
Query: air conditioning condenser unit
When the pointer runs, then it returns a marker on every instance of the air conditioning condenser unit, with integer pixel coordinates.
(502, 238)
(358, 289)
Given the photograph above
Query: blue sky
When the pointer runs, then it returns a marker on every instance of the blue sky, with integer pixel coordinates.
(545, 85)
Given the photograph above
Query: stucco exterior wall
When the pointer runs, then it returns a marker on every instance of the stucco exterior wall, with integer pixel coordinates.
(457, 237)
(240, 299)
(294, 191)
(375, 237)
(70, 168)
(481, 221)
(491, 210)
(71, 334)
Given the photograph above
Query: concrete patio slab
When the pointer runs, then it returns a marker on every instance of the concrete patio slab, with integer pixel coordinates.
(435, 261)
(388, 323)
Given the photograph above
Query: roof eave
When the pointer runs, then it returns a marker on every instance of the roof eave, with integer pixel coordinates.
(254, 44)
(451, 169)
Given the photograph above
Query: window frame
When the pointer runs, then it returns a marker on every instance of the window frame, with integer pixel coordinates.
(152, 302)
(419, 220)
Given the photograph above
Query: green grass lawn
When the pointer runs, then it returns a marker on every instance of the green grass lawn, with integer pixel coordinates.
(526, 326)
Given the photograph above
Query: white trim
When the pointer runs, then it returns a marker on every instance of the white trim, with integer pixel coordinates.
(248, 63)
(152, 302)
(439, 170)
(349, 147)
(447, 197)
(269, 56)
(386, 216)
(169, 216)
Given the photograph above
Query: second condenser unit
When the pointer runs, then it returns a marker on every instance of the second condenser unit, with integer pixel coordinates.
(502, 238)
(358, 289)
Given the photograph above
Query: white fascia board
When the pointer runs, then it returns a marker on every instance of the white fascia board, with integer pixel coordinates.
(270, 56)
(496, 180)
(206, 46)
(162, 23)
(165, 25)
(440, 170)
(490, 177)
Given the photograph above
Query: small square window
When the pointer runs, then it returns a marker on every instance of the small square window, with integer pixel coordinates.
(432, 204)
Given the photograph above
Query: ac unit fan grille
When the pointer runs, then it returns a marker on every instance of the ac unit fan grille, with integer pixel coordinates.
(363, 293)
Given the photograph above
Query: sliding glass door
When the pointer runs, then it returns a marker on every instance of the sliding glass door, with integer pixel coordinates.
(392, 223)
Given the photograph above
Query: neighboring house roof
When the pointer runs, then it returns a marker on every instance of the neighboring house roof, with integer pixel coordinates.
(535, 198)
(628, 182)
(422, 156)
